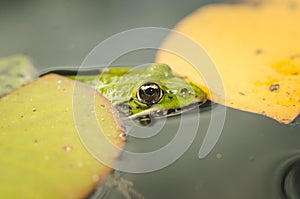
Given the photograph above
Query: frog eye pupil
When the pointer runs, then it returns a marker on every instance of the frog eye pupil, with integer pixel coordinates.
(149, 93)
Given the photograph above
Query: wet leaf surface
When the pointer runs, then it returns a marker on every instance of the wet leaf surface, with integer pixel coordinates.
(42, 155)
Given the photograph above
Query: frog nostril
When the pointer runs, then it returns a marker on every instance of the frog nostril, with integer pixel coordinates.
(184, 91)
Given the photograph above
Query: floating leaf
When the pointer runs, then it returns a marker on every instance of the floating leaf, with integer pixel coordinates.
(42, 155)
(255, 46)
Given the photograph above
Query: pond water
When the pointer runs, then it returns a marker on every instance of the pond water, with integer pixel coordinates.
(255, 156)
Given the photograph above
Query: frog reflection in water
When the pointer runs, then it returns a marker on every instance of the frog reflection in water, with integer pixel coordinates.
(144, 93)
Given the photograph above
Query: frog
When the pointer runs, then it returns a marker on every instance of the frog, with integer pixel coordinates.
(142, 94)
(137, 93)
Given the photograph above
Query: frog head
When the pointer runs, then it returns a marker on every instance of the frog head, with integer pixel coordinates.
(156, 92)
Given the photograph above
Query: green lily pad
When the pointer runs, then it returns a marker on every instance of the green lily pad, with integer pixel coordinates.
(14, 72)
(42, 155)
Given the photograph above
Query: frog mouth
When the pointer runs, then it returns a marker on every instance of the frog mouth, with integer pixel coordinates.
(156, 112)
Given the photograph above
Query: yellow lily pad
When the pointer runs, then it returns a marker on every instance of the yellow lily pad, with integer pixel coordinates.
(255, 46)
(42, 155)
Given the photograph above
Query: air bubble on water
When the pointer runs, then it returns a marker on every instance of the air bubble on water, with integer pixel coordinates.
(219, 155)
(102, 119)
(59, 81)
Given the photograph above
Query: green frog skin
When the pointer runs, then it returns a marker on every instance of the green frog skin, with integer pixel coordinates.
(154, 91)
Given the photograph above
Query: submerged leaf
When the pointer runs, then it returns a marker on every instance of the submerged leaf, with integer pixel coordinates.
(14, 72)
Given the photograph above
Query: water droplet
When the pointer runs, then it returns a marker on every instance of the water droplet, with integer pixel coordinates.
(123, 136)
(95, 178)
(34, 109)
(67, 148)
(174, 92)
(102, 119)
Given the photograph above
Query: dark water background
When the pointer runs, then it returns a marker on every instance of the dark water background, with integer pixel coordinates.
(64, 32)
(253, 152)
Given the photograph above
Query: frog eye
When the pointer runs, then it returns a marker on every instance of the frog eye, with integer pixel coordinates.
(149, 93)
